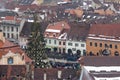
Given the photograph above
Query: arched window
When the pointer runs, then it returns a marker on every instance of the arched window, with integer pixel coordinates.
(78, 53)
(110, 45)
(100, 44)
(90, 43)
(10, 60)
(116, 53)
(55, 49)
(95, 44)
(106, 46)
(69, 51)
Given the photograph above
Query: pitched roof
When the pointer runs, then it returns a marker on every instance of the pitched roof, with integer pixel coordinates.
(97, 1)
(12, 70)
(25, 7)
(9, 46)
(100, 61)
(92, 75)
(26, 30)
(78, 31)
(56, 29)
(9, 18)
(100, 67)
(105, 29)
(66, 73)
(78, 12)
(58, 25)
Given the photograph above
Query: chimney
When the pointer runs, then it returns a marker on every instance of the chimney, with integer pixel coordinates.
(59, 74)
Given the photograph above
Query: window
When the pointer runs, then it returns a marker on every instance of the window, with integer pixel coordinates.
(63, 50)
(8, 29)
(76, 44)
(74, 49)
(59, 42)
(95, 44)
(16, 29)
(54, 41)
(12, 36)
(106, 45)
(59, 50)
(10, 60)
(69, 44)
(16, 36)
(4, 34)
(49, 41)
(90, 43)
(63, 43)
(100, 44)
(8, 35)
(45, 40)
(3, 28)
(116, 47)
(110, 45)
(54, 35)
(116, 53)
(82, 45)
(12, 29)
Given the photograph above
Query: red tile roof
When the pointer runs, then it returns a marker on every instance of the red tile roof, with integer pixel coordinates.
(9, 18)
(100, 61)
(105, 29)
(58, 25)
(56, 28)
(9, 46)
(25, 7)
(52, 73)
(8, 71)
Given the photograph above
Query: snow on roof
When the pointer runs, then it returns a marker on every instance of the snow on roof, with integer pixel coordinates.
(98, 38)
(52, 30)
(110, 78)
(102, 68)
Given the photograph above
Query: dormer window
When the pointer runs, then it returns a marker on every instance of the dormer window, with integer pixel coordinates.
(47, 34)
(10, 60)
(54, 35)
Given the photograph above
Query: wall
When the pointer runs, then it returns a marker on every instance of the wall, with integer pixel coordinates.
(75, 48)
(17, 59)
(98, 48)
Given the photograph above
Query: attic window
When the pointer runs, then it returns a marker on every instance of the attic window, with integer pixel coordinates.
(54, 35)
(47, 34)
(10, 60)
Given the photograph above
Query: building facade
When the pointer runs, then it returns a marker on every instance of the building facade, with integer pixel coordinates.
(71, 38)
(103, 39)
(11, 27)
(55, 36)
(76, 46)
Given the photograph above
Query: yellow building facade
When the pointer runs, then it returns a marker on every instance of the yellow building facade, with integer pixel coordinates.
(98, 46)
